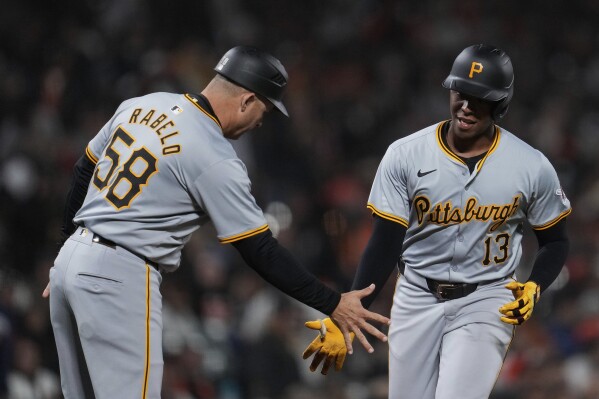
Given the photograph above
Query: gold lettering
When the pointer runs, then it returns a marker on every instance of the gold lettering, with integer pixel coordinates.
(515, 205)
(163, 139)
(158, 121)
(147, 118)
(469, 212)
(476, 67)
(456, 216)
(505, 211)
(435, 216)
(484, 213)
(494, 212)
(445, 213)
(422, 205)
(161, 128)
(171, 149)
(134, 115)
(500, 217)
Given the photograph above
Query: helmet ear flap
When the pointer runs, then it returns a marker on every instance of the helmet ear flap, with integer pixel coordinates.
(502, 106)
(500, 109)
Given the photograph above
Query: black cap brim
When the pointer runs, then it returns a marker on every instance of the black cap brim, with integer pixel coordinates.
(280, 106)
(474, 89)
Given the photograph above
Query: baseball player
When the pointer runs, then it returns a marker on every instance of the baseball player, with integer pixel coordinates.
(159, 169)
(450, 202)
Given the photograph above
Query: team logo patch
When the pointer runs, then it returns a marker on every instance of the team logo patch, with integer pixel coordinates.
(560, 193)
(175, 109)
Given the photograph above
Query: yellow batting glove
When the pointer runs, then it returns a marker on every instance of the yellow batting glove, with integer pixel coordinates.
(526, 295)
(329, 345)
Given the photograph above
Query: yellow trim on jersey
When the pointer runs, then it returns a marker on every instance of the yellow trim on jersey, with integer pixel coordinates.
(91, 155)
(387, 216)
(241, 236)
(455, 157)
(187, 96)
(442, 145)
(144, 390)
(554, 221)
(493, 147)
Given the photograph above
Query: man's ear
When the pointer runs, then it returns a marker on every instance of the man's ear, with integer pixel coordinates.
(246, 100)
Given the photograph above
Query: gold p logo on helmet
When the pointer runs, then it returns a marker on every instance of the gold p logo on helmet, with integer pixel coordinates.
(476, 67)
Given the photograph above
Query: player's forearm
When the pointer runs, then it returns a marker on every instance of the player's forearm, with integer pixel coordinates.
(549, 262)
(551, 256)
(380, 257)
(82, 173)
(276, 265)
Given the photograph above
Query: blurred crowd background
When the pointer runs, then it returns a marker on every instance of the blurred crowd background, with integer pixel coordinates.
(363, 73)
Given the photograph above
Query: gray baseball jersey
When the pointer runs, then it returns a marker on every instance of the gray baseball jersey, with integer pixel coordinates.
(472, 222)
(461, 227)
(166, 143)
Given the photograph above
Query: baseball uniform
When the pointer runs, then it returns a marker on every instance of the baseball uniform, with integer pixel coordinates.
(451, 202)
(163, 168)
(462, 227)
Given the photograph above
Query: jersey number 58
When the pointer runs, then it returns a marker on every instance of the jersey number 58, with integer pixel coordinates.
(129, 180)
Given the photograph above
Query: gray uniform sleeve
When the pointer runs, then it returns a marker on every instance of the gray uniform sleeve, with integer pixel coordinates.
(224, 191)
(549, 204)
(389, 194)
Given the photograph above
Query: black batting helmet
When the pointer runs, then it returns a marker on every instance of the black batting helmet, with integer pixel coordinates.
(484, 72)
(257, 71)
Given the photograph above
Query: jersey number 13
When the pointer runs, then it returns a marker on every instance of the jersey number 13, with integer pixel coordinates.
(496, 249)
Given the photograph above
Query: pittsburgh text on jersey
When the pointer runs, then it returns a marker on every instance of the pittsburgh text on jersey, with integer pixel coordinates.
(446, 213)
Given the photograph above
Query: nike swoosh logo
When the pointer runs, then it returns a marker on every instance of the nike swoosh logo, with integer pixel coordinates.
(420, 173)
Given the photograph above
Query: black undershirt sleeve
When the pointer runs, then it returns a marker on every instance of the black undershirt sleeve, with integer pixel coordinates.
(276, 265)
(552, 254)
(380, 257)
(82, 174)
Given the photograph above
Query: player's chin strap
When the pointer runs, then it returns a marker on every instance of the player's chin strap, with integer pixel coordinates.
(323, 330)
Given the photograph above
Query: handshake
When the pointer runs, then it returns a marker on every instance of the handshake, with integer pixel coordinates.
(329, 345)
(332, 344)
(336, 333)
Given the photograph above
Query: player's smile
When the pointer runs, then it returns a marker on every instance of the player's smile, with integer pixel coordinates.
(468, 124)
(470, 115)
(465, 123)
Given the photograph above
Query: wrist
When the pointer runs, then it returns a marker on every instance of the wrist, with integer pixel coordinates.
(333, 304)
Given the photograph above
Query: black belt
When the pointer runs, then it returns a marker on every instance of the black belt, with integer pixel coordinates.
(446, 291)
(104, 241)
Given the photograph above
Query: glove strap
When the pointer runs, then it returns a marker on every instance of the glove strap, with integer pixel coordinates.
(323, 330)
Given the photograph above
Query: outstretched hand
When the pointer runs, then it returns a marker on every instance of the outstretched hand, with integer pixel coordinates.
(350, 316)
(328, 346)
